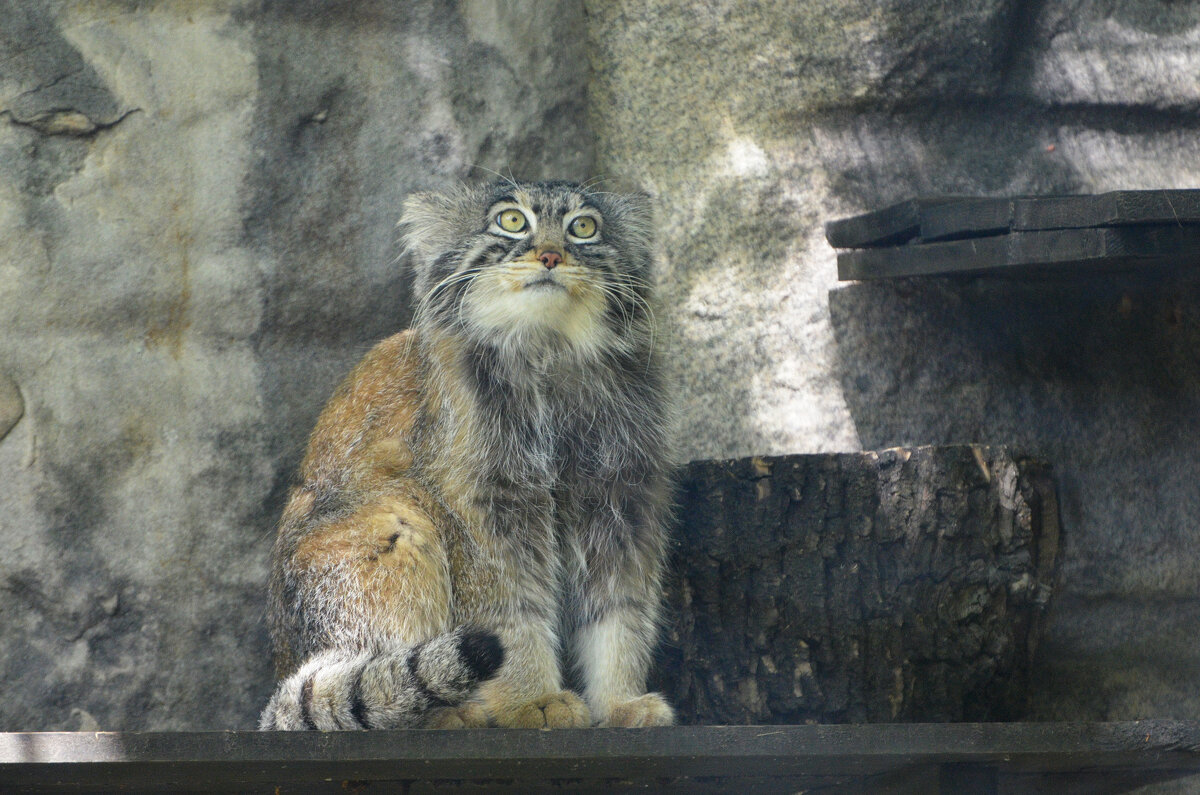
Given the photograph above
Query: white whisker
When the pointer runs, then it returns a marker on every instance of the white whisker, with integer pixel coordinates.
(509, 179)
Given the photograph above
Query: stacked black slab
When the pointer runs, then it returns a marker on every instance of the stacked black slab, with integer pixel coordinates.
(1021, 235)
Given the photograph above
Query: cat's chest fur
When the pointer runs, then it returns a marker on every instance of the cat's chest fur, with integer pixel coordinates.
(548, 426)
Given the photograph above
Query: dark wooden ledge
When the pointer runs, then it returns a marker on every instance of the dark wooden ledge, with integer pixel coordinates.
(1022, 235)
(926, 758)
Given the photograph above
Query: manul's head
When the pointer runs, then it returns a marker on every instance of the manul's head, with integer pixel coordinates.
(534, 266)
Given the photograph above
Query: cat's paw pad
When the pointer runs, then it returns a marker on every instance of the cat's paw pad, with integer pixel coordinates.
(464, 716)
(648, 710)
(561, 710)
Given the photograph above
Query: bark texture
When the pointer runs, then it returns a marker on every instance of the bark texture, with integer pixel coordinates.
(901, 585)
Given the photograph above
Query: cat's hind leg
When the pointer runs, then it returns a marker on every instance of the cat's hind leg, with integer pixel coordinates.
(380, 573)
(368, 598)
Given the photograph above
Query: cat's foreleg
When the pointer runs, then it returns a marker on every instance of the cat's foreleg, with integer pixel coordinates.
(614, 654)
(617, 630)
(528, 692)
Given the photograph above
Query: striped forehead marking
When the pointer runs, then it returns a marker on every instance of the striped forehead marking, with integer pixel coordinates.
(544, 203)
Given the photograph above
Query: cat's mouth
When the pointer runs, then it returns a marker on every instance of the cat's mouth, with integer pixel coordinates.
(546, 282)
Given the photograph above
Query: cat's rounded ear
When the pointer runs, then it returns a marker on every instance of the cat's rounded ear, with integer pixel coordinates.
(431, 223)
(641, 203)
(637, 216)
(421, 223)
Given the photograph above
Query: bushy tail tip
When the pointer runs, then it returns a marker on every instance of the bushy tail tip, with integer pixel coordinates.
(481, 651)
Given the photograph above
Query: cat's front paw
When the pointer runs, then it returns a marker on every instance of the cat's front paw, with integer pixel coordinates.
(464, 716)
(648, 710)
(561, 710)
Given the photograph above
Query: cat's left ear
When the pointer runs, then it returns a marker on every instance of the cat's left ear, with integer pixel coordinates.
(637, 216)
(640, 203)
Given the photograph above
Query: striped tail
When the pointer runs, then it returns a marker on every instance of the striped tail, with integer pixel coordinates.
(392, 688)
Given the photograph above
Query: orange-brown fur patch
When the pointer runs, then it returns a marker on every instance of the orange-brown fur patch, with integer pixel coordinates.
(397, 563)
(390, 542)
(365, 428)
(457, 478)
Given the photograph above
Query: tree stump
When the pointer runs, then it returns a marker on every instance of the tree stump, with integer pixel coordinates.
(901, 585)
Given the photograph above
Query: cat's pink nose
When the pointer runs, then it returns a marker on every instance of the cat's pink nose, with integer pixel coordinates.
(551, 259)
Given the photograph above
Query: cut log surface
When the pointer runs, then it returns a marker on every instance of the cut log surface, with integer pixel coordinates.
(902, 585)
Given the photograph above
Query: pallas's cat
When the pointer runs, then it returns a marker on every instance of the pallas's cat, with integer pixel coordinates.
(481, 511)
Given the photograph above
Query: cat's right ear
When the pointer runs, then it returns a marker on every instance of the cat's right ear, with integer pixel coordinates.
(430, 224)
(421, 224)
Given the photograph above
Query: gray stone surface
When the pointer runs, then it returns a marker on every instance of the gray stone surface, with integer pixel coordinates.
(12, 406)
(197, 211)
(1113, 52)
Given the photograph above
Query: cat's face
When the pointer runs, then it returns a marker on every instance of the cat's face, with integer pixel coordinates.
(532, 264)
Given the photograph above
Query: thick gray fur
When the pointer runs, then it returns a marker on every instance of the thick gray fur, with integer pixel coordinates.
(543, 435)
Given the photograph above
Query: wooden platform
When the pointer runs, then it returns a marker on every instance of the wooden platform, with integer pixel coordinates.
(1025, 234)
(879, 758)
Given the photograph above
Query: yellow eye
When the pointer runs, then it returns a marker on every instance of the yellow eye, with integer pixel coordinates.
(583, 227)
(511, 221)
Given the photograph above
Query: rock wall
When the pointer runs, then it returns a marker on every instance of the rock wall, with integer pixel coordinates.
(197, 213)
(196, 241)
